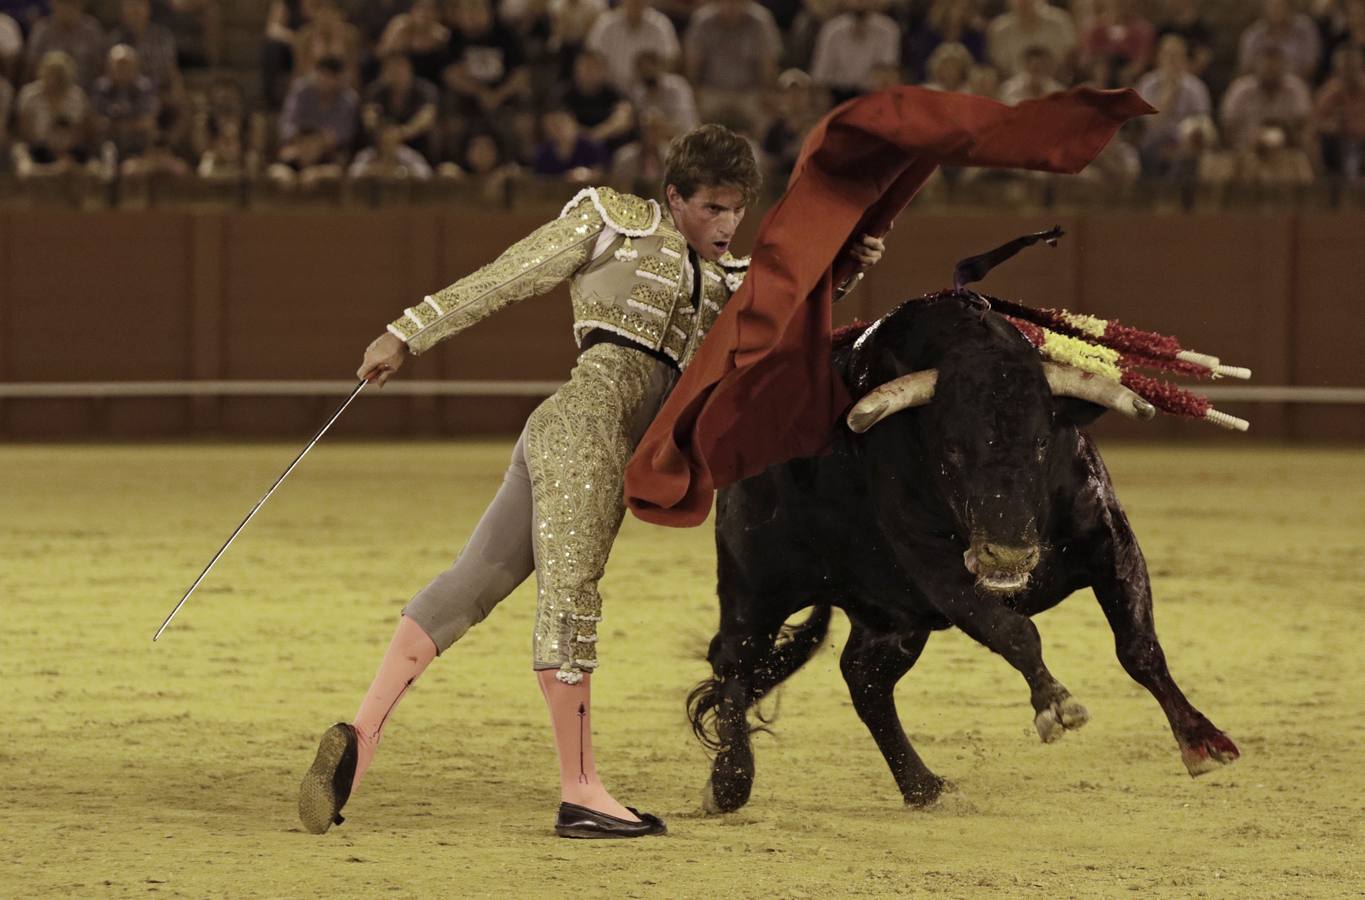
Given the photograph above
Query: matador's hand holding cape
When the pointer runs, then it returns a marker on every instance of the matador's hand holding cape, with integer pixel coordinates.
(761, 389)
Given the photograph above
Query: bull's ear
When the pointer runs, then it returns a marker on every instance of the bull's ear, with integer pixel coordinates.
(1074, 412)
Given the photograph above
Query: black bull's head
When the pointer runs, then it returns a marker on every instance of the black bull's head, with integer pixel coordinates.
(970, 429)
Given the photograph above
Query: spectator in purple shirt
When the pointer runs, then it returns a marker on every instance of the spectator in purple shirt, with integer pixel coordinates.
(125, 104)
(566, 152)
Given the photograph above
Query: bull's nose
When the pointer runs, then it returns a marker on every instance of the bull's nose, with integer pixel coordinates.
(1013, 559)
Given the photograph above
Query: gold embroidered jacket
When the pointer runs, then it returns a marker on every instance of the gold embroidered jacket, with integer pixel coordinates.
(628, 271)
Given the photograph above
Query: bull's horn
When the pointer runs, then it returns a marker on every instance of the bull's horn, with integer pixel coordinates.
(1066, 381)
(915, 389)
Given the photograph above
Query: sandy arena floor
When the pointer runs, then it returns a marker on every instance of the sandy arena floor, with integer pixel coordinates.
(132, 769)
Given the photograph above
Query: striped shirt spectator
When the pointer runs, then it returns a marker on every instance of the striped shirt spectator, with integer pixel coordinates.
(72, 32)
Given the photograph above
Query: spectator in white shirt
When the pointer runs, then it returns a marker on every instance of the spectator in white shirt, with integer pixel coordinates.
(53, 96)
(1029, 23)
(52, 120)
(621, 34)
(850, 45)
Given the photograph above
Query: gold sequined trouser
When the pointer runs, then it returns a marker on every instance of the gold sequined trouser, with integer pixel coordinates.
(577, 445)
(557, 512)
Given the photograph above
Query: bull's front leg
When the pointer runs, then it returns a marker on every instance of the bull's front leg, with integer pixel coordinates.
(872, 664)
(1014, 637)
(1122, 586)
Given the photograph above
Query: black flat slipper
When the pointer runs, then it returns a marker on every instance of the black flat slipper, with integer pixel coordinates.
(576, 821)
(327, 784)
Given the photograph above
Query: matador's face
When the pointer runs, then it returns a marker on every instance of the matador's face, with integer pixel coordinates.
(708, 219)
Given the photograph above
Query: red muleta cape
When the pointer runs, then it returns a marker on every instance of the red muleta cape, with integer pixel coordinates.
(760, 389)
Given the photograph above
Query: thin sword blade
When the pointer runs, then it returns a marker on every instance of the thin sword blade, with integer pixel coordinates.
(259, 503)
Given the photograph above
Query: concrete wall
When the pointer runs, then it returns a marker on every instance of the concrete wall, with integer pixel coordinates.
(291, 295)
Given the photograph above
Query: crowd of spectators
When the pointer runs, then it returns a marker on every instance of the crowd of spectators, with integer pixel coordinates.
(484, 91)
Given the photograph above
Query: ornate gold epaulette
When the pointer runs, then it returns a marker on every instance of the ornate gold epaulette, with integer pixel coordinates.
(735, 270)
(630, 215)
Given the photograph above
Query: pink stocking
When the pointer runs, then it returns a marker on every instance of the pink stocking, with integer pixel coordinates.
(408, 655)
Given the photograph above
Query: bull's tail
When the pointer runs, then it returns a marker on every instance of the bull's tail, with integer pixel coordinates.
(795, 644)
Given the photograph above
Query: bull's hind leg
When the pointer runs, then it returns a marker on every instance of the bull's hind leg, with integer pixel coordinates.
(872, 664)
(1014, 637)
(735, 653)
(748, 659)
(1125, 595)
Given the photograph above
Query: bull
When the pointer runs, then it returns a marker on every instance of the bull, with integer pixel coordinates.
(964, 494)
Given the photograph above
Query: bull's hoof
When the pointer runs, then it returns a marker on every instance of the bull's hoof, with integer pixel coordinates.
(1207, 754)
(926, 793)
(732, 777)
(1065, 714)
(715, 806)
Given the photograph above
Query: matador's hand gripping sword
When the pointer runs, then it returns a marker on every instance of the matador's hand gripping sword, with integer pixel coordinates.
(261, 502)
